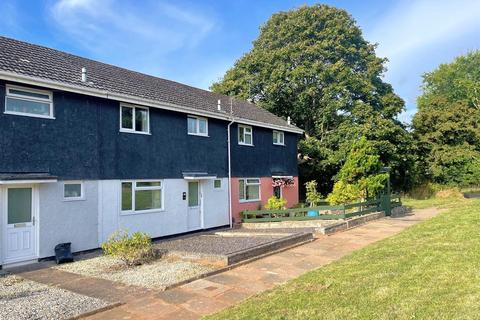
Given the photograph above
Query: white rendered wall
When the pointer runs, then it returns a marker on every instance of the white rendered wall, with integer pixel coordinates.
(2, 218)
(172, 220)
(87, 223)
(67, 221)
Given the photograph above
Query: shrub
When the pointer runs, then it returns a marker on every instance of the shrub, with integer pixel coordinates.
(450, 193)
(132, 250)
(274, 203)
(313, 196)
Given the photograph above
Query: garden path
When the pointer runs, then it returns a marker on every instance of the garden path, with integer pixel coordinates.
(216, 292)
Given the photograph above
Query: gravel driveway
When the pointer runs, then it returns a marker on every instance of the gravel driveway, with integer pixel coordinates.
(23, 299)
(215, 244)
(155, 275)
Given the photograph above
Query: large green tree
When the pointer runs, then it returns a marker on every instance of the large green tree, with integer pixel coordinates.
(314, 65)
(446, 126)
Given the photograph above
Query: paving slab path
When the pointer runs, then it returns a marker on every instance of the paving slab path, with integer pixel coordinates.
(214, 293)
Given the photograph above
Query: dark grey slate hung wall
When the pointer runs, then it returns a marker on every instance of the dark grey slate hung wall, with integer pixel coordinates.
(264, 158)
(84, 142)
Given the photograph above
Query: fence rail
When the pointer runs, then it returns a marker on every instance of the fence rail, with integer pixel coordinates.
(321, 212)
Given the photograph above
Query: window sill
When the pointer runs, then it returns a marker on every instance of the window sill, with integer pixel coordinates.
(249, 201)
(31, 115)
(134, 213)
(135, 132)
(73, 199)
(199, 135)
(245, 144)
(279, 144)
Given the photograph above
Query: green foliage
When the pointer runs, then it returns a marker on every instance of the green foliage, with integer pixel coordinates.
(274, 203)
(446, 125)
(313, 196)
(314, 65)
(132, 250)
(360, 176)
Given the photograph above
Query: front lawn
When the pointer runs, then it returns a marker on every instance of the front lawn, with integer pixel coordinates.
(429, 271)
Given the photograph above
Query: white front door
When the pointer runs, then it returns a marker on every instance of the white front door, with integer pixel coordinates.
(194, 206)
(20, 233)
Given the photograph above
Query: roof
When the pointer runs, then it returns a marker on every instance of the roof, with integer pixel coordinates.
(15, 177)
(21, 61)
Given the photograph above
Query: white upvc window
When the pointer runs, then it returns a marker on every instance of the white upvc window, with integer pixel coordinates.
(245, 135)
(249, 189)
(278, 138)
(217, 184)
(29, 102)
(134, 119)
(197, 126)
(141, 196)
(73, 190)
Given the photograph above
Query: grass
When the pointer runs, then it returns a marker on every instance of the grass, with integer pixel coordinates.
(429, 271)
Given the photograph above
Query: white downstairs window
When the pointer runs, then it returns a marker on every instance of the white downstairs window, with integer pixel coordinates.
(134, 119)
(29, 102)
(249, 189)
(73, 190)
(142, 196)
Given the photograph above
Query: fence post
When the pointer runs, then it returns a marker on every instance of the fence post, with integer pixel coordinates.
(386, 204)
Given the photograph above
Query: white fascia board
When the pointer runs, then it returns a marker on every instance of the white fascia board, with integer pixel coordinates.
(33, 181)
(11, 76)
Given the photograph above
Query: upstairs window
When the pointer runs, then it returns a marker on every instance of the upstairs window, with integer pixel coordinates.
(197, 126)
(278, 138)
(134, 119)
(245, 135)
(29, 102)
(249, 189)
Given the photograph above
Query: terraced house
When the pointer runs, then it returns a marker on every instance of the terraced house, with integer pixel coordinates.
(87, 148)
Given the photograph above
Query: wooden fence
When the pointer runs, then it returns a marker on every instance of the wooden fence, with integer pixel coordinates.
(322, 212)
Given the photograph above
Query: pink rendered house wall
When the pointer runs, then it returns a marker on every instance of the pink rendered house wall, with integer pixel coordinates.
(289, 193)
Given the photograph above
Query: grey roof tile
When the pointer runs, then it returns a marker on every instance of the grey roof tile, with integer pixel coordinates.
(37, 61)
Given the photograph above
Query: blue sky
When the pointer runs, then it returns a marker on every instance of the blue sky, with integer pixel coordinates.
(195, 42)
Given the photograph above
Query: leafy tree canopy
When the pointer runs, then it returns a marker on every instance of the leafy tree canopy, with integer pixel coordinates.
(314, 65)
(360, 177)
(446, 125)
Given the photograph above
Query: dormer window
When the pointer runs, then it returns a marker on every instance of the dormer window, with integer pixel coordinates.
(245, 135)
(29, 102)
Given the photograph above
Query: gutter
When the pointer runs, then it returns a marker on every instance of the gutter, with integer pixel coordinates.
(36, 81)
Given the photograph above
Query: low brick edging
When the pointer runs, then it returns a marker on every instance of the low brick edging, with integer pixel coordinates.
(351, 223)
(93, 312)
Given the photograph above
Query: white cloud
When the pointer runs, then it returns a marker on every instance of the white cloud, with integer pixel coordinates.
(416, 36)
(413, 25)
(120, 30)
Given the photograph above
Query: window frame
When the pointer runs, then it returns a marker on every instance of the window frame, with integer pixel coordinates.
(217, 188)
(245, 184)
(279, 134)
(82, 191)
(133, 196)
(281, 191)
(49, 101)
(251, 135)
(197, 126)
(134, 111)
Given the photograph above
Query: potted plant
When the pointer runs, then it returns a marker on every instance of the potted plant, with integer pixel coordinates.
(313, 197)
